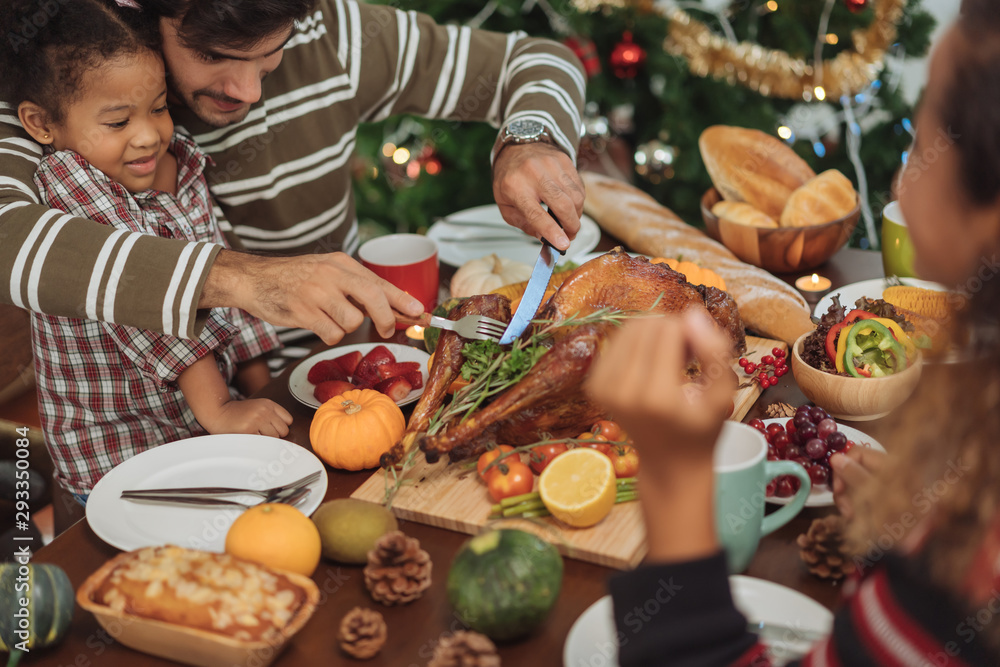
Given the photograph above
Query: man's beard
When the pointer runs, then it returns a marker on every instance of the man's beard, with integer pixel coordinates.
(199, 103)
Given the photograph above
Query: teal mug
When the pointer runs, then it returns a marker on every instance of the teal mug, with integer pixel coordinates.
(742, 473)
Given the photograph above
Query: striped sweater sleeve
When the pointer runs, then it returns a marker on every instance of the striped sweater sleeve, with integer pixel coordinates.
(457, 73)
(57, 264)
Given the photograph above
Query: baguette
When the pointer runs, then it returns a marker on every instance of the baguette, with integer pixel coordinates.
(754, 167)
(768, 305)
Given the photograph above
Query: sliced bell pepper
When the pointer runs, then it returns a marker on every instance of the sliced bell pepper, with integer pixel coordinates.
(833, 335)
(901, 336)
(872, 351)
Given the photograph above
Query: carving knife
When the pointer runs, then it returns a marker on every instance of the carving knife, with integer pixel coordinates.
(533, 293)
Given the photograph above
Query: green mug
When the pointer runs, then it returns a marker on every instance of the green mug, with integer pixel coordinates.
(897, 248)
(742, 473)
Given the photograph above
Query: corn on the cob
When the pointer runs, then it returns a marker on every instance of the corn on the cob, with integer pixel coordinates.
(929, 303)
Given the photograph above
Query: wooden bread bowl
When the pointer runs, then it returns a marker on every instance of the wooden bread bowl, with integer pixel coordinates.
(781, 249)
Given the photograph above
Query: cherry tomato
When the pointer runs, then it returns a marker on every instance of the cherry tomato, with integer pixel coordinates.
(609, 430)
(625, 461)
(488, 457)
(542, 455)
(510, 479)
(596, 442)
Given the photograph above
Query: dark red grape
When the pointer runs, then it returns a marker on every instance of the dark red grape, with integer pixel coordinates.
(771, 486)
(818, 474)
(802, 409)
(816, 449)
(806, 433)
(773, 456)
(802, 419)
(793, 451)
(825, 428)
(775, 428)
(790, 426)
(817, 414)
(802, 461)
(785, 488)
(758, 424)
(836, 441)
(781, 442)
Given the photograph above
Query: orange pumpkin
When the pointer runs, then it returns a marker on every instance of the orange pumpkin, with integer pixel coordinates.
(351, 433)
(696, 275)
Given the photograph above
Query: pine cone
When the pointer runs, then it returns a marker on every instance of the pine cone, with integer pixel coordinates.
(398, 570)
(465, 649)
(822, 548)
(779, 410)
(362, 633)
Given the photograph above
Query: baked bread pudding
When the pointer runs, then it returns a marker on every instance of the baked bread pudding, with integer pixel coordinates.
(207, 591)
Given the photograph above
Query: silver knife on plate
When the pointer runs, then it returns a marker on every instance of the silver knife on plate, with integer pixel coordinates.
(533, 293)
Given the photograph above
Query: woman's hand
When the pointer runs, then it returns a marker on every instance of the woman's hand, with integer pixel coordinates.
(850, 471)
(639, 378)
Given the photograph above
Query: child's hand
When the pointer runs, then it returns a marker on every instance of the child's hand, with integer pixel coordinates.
(639, 378)
(256, 415)
(850, 471)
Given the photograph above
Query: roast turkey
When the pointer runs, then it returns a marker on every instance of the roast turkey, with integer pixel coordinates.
(549, 400)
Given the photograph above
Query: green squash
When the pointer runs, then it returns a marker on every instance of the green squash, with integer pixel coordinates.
(431, 334)
(45, 620)
(504, 582)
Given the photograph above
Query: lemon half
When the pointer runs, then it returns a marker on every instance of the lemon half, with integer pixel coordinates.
(578, 487)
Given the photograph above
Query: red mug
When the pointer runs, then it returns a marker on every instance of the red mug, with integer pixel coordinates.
(408, 261)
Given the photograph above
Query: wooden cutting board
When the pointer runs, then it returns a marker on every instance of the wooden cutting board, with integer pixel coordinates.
(452, 497)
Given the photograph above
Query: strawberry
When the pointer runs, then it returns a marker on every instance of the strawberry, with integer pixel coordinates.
(399, 368)
(396, 388)
(349, 362)
(328, 369)
(324, 391)
(366, 374)
(415, 379)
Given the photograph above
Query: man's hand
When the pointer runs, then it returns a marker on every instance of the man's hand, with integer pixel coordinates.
(525, 177)
(328, 294)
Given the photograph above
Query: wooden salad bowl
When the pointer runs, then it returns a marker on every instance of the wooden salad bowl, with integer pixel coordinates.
(782, 249)
(855, 399)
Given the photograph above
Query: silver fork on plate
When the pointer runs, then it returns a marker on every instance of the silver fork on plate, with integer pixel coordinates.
(203, 491)
(473, 327)
(291, 496)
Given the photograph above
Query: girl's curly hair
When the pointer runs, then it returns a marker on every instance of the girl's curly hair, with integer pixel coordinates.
(48, 45)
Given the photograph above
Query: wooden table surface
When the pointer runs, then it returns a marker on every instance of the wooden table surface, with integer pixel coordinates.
(414, 629)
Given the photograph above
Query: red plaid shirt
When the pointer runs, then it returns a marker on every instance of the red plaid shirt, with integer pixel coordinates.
(105, 391)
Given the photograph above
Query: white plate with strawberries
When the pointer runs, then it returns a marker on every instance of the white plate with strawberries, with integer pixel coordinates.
(398, 371)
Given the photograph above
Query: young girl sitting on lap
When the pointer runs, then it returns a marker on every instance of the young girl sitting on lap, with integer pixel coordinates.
(933, 598)
(94, 95)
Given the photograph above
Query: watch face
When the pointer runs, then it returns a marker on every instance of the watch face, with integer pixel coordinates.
(524, 128)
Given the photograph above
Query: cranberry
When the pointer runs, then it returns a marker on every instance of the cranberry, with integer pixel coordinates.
(743, 362)
(767, 360)
(778, 352)
(780, 370)
(750, 368)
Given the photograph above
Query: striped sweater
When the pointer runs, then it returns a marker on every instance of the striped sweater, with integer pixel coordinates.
(282, 176)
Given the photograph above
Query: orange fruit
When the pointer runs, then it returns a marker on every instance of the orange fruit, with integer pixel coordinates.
(278, 536)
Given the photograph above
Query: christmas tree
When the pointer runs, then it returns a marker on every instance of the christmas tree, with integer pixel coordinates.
(821, 74)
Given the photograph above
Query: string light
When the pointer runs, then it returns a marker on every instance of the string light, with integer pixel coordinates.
(820, 93)
(388, 149)
(832, 38)
(785, 132)
(401, 156)
(772, 5)
(819, 149)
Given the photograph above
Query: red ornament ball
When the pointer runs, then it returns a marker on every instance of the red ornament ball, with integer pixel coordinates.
(856, 5)
(627, 57)
(585, 49)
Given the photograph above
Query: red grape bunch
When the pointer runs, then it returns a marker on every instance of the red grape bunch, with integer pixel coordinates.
(809, 438)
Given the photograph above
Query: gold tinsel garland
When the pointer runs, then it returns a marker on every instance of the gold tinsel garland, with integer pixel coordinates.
(771, 72)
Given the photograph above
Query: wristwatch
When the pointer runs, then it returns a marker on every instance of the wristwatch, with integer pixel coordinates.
(522, 131)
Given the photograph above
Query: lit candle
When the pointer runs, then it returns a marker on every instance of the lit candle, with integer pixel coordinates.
(814, 285)
(415, 332)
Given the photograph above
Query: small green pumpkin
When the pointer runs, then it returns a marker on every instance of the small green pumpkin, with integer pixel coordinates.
(503, 583)
(45, 619)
